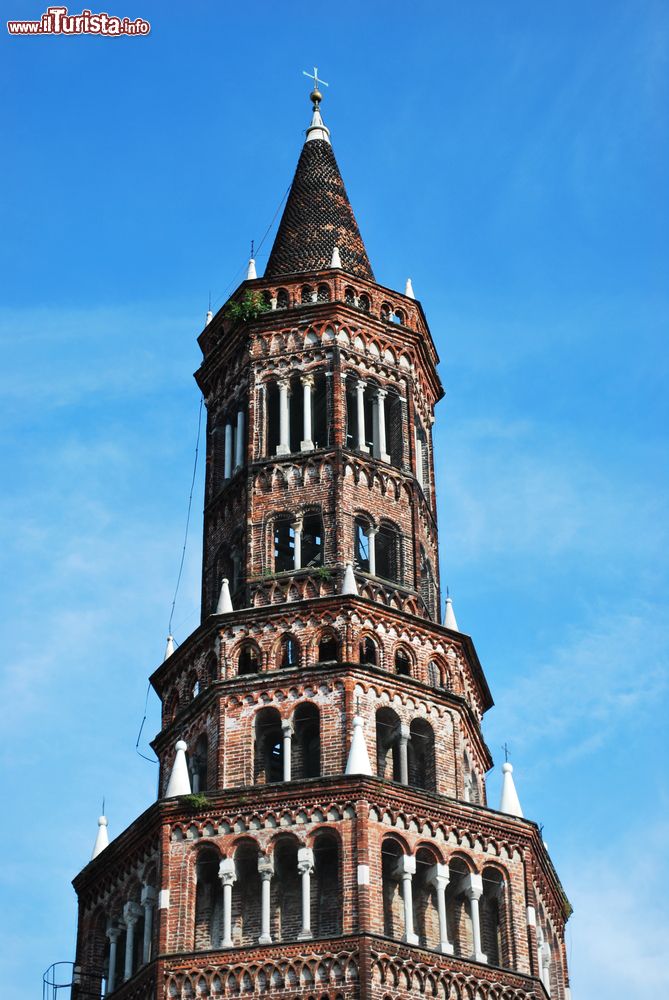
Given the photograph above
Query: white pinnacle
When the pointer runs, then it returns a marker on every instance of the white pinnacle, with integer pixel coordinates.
(348, 585)
(449, 616)
(102, 839)
(169, 648)
(179, 783)
(317, 130)
(209, 318)
(358, 757)
(408, 291)
(509, 803)
(224, 605)
(251, 273)
(336, 259)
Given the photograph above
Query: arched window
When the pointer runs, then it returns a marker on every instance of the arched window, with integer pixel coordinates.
(393, 906)
(307, 294)
(402, 663)
(388, 758)
(306, 743)
(199, 765)
(363, 303)
(289, 652)
(386, 311)
(426, 912)
(326, 898)
(268, 763)
(368, 651)
(433, 674)
(349, 296)
(395, 429)
(491, 910)
(208, 901)
(248, 661)
(284, 544)
(458, 913)
(312, 540)
(471, 784)
(328, 648)
(361, 544)
(246, 895)
(388, 553)
(282, 299)
(286, 892)
(323, 293)
(399, 317)
(420, 751)
(212, 668)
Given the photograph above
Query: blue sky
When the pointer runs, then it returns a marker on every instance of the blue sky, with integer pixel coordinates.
(513, 159)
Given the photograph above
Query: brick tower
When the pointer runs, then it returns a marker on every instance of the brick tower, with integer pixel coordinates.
(322, 827)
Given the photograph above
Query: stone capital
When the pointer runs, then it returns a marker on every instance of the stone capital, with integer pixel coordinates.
(405, 866)
(305, 860)
(405, 733)
(113, 933)
(472, 886)
(307, 380)
(438, 875)
(265, 867)
(286, 727)
(227, 872)
(132, 912)
(149, 895)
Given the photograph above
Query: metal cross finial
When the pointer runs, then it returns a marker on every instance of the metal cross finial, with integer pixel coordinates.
(314, 76)
(505, 748)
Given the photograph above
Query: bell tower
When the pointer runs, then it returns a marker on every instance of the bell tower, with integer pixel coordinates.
(322, 826)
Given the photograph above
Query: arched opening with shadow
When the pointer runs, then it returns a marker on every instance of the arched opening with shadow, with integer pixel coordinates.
(326, 896)
(494, 934)
(199, 765)
(208, 900)
(458, 914)
(426, 912)
(268, 756)
(248, 661)
(388, 763)
(286, 893)
(403, 662)
(246, 895)
(306, 742)
(289, 652)
(393, 904)
(368, 651)
(328, 648)
(420, 750)
(389, 553)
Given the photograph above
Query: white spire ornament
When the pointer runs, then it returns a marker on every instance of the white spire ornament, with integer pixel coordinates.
(179, 783)
(408, 291)
(348, 584)
(449, 614)
(358, 757)
(336, 259)
(209, 318)
(224, 605)
(509, 803)
(169, 648)
(102, 839)
(251, 272)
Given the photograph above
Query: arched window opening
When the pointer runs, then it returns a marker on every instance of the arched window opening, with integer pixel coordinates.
(249, 659)
(388, 553)
(402, 663)
(393, 905)
(289, 652)
(307, 294)
(422, 771)
(208, 901)
(361, 544)
(386, 311)
(398, 317)
(199, 765)
(312, 540)
(282, 299)
(326, 899)
(433, 674)
(428, 590)
(471, 784)
(328, 649)
(267, 298)
(425, 906)
(422, 458)
(323, 293)
(368, 651)
(268, 764)
(349, 296)
(195, 688)
(212, 668)
(491, 907)
(306, 742)
(458, 913)
(286, 893)
(273, 418)
(246, 896)
(388, 750)
(363, 303)
(172, 707)
(284, 545)
(395, 424)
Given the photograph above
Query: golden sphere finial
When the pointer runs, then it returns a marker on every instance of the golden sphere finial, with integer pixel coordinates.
(316, 96)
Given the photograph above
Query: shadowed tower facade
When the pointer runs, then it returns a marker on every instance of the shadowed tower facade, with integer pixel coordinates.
(322, 826)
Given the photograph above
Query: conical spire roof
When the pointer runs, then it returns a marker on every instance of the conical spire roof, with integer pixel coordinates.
(318, 216)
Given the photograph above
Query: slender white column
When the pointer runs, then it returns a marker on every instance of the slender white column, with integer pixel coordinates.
(380, 426)
(371, 545)
(405, 734)
(228, 875)
(360, 390)
(438, 876)
(239, 439)
(113, 933)
(265, 870)
(283, 448)
(473, 889)
(305, 866)
(149, 900)
(287, 735)
(227, 462)
(419, 456)
(297, 544)
(131, 914)
(307, 444)
(405, 870)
